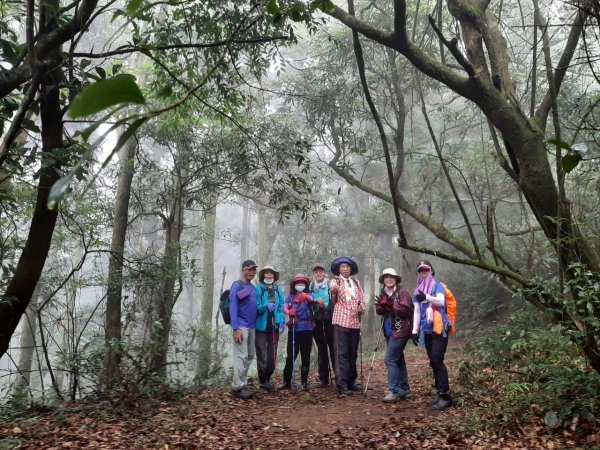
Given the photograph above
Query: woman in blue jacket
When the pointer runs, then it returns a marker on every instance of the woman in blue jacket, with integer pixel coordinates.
(298, 306)
(270, 321)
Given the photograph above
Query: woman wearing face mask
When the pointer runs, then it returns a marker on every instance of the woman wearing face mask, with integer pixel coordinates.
(298, 306)
(431, 318)
(270, 322)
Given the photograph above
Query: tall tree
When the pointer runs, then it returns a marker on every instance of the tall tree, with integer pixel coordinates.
(204, 361)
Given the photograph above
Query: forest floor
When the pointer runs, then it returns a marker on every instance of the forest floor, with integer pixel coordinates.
(214, 419)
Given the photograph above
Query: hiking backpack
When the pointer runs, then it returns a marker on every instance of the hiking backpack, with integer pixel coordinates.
(451, 306)
(224, 306)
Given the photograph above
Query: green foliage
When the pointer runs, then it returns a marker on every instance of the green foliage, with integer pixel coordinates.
(527, 370)
(121, 89)
(579, 307)
(571, 159)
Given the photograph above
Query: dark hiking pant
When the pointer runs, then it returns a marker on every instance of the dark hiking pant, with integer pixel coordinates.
(346, 352)
(266, 351)
(298, 341)
(436, 345)
(323, 335)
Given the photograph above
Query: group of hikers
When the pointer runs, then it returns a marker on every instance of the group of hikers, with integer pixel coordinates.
(330, 312)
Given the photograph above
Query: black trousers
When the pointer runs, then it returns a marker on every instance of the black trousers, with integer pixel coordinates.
(436, 345)
(298, 341)
(346, 352)
(323, 335)
(266, 350)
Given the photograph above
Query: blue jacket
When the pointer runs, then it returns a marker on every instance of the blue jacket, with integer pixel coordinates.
(262, 300)
(243, 312)
(323, 293)
(304, 314)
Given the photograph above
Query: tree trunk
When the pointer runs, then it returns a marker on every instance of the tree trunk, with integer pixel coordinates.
(31, 262)
(28, 347)
(112, 331)
(206, 311)
(371, 320)
(245, 236)
(170, 271)
(262, 236)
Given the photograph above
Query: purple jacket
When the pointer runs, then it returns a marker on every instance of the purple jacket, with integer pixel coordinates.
(243, 312)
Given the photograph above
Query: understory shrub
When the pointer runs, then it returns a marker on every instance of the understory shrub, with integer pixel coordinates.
(529, 370)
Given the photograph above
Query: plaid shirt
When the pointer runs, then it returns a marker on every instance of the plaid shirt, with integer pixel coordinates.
(346, 313)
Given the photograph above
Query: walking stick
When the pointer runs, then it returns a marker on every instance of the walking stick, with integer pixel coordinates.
(274, 352)
(293, 357)
(362, 380)
(373, 358)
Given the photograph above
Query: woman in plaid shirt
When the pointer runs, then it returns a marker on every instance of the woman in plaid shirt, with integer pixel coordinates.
(349, 299)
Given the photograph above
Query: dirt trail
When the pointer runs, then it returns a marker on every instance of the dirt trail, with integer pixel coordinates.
(214, 419)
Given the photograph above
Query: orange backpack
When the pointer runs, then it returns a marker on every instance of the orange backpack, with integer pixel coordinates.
(451, 306)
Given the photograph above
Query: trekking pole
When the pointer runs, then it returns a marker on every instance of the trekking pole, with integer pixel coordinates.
(274, 352)
(374, 353)
(293, 357)
(362, 380)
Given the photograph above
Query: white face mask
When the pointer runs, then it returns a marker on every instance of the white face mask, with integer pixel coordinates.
(269, 281)
(299, 287)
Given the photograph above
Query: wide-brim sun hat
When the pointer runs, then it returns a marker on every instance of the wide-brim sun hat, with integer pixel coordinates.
(261, 274)
(390, 272)
(298, 278)
(335, 265)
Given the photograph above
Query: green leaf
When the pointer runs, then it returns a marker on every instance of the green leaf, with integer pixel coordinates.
(570, 161)
(59, 190)
(30, 125)
(105, 93)
(296, 13)
(165, 91)
(101, 72)
(87, 132)
(272, 7)
(133, 6)
(559, 143)
(324, 5)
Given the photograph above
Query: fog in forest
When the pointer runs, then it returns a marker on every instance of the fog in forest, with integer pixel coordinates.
(157, 147)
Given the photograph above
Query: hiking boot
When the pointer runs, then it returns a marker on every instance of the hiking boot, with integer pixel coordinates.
(355, 388)
(323, 384)
(345, 391)
(305, 387)
(285, 385)
(404, 395)
(244, 393)
(444, 402)
(434, 400)
(267, 386)
(390, 397)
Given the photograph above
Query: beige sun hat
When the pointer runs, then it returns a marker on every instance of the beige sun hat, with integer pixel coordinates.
(261, 274)
(391, 272)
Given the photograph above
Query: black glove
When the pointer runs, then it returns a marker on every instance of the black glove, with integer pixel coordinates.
(420, 297)
(415, 339)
